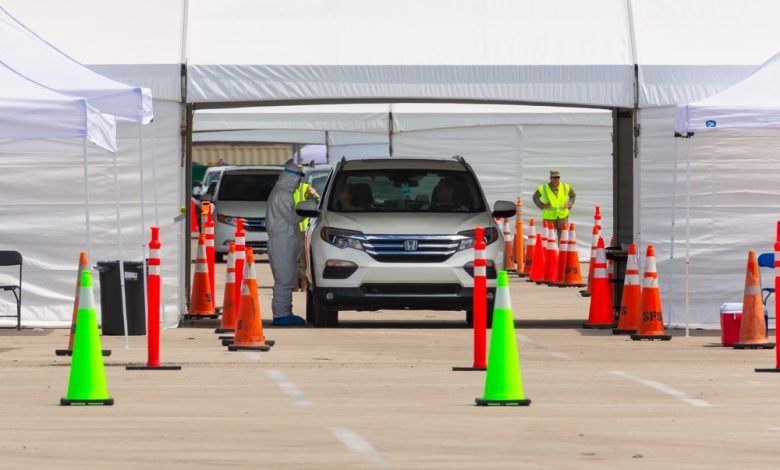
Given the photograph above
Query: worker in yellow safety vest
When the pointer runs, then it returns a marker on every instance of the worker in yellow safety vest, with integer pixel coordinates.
(555, 199)
(302, 192)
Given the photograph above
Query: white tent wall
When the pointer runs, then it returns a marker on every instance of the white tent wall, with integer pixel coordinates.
(47, 208)
(734, 191)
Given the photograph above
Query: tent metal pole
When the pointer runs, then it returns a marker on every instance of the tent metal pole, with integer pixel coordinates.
(673, 205)
(86, 198)
(121, 256)
(143, 224)
(687, 232)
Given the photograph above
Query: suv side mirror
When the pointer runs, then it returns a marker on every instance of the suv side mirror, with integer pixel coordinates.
(503, 209)
(307, 208)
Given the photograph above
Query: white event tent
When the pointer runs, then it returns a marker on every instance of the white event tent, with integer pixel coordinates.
(647, 55)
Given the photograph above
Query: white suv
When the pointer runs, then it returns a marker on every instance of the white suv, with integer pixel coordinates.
(398, 233)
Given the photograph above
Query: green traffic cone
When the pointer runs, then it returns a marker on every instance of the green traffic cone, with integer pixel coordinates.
(87, 384)
(503, 384)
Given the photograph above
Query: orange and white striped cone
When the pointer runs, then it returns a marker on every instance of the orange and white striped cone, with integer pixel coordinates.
(600, 314)
(509, 259)
(651, 321)
(631, 302)
(551, 256)
(529, 248)
(240, 237)
(194, 230)
(201, 302)
(563, 253)
(597, 219)
(208, 230)
(519, 245)
(229, 312)
(249, 327)
(572, 277)
(752, 330)
(591, 265)
(537, 268)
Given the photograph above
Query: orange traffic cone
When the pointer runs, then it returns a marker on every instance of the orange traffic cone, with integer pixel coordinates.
(601, 314)
(594, 242)
(529, 248)
(611, 272)
(229, 314)
(519, 248)
(83, 266)
(551, 256)
(563, 253)
(571, 271)
(545, 237)
(651, 321)
(631, 304)
(537, 269)
(752, 330)
(249, 328)
(201, 302)
(509, 252)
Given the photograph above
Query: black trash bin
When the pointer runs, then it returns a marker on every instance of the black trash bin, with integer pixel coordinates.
(111, 298)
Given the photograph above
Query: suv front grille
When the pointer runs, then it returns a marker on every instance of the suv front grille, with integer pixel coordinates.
(254, 224)
(411, 248)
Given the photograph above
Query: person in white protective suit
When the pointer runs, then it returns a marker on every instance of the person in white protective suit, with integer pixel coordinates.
(284, 244)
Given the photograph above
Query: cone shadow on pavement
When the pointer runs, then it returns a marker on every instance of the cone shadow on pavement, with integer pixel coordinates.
(87, 383)
(503, 382)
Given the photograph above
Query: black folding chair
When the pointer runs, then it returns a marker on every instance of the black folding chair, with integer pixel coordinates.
(13, 258)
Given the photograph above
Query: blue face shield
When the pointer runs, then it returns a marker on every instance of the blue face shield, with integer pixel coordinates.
(300, 174)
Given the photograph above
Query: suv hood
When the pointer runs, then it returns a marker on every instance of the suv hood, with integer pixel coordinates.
(394, 223)
(241, 208)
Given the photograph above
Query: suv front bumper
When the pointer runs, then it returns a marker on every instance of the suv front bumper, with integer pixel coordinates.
(399, 296)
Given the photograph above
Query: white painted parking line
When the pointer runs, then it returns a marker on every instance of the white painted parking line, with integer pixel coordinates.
(289, 388)
(663, 388)
(775, 429)
(356, 444)
(560, 355)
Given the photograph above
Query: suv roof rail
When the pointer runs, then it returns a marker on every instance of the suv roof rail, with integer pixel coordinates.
(459, 158)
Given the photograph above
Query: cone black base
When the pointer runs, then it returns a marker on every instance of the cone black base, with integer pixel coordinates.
(107, 402)
(618, 331)
(598, 326)
(481, 402)
(768, 370)
(189, 316)
(233, 347)
(69, 352)
(651, 337)
(224, 330)
(584, 293)
(753, 346)
(459, 369)
(521, 274)
(571, 285)
(229, 341)
(140, 367)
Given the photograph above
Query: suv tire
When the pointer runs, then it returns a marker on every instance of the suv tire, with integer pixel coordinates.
(317, 315)
(470, 316)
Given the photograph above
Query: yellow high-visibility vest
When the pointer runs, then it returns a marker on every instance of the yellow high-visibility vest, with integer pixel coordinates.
(558, 202)
(299, 196)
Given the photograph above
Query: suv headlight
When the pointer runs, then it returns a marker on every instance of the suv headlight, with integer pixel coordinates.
(491, 235)
(226, 219)
(342, 238)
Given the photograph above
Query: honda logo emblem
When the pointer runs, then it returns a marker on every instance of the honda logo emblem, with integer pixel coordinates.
(410, 245)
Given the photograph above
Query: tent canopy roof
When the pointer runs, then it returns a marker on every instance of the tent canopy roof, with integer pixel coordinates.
(43, 63)
(753, 102)
(30, 111)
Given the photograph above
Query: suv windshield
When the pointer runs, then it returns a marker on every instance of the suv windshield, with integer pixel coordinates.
(408, 190)
(246, 186)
